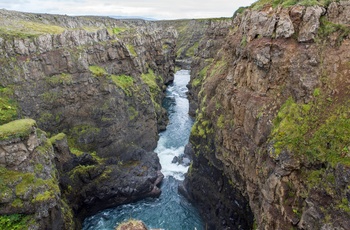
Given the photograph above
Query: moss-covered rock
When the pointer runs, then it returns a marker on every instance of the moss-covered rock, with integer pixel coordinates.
(17, 129)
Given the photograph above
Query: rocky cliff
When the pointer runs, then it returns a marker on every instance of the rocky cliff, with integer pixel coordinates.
(99, 81)
(271, 138)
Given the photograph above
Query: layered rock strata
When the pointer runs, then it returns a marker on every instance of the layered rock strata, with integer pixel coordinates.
(101, 82)
(272, 121)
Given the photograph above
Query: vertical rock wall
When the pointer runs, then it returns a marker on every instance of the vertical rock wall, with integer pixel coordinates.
(272, 120)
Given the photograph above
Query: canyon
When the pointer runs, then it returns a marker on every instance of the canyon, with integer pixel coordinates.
(81, 111)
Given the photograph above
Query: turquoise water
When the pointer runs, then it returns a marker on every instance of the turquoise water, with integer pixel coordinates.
(170, 211)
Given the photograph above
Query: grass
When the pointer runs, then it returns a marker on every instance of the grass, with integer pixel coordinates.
(26, 29)
(124, 82)
(8, 110)
(287, 3)
(327, 28)
(131, 49)
(16, 221)
(60, 79)
(313, 131)
(97, 71)
(190, 52)
(151, 79)
(58, 137)
(17, 129)
(8, 107)
(79, 135)
(116, 30)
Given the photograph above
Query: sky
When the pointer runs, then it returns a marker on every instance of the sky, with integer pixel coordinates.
(156, 9)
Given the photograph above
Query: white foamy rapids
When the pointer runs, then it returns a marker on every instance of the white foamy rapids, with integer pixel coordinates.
(166, 156)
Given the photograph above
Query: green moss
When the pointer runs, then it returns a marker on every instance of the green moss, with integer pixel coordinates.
(41, 28)
(288, 3)
(313, 131)
(45, 196)
(131, 49)
(316, 92)
(58, 137)
(203, 72)
(17, 129)
(76, 151)
(8, 110)
(116, 30)
(133, 113)
(26, 185)
(328, 28)
(152, 80)
(221, 121)
(8, 107)
(196, 82)
(50, 96)
(17, 203)
(344, 205)
(97, 71)
(80, 133)
(125, 82)
(60, 79)
(201, 127)
(67, 214)
(190, 52)
(244, 41)
(16, 221)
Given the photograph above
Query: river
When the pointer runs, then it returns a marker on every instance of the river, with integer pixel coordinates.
(170, 211)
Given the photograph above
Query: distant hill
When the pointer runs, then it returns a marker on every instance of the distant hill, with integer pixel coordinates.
(134, 17)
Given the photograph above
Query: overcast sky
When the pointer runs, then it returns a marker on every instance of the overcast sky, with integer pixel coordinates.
(158, 9)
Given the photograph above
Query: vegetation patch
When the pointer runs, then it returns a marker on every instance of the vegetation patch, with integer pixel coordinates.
(8, 107)
(26, 29)
(60, 79)
(313, 131)
(83, 137)
(328, 28)
(287, 3)
(190, 52)
(131, 49)
(58, 137)
(116, 30)
(97, 71)
(151, 79)
(16, 221)
(133, 113)
(124, 82)
(17, 129)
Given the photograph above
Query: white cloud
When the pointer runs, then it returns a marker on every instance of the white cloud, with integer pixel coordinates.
(161, 9)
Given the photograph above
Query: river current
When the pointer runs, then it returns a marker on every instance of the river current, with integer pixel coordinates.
(170, 211)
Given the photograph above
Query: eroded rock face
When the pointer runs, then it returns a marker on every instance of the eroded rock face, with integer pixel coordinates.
(100, 81)
(261, 68)
(29, 181)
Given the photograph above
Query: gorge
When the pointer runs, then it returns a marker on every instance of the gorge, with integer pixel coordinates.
(81, 111)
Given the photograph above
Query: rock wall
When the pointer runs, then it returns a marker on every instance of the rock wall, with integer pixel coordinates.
(272, 120)
(29, 179)
(99, 81)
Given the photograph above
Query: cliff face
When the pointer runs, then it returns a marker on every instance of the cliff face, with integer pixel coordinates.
(100, 81)
(272, 121)
(29, 179)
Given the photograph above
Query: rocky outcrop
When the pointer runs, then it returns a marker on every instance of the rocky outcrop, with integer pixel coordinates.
(100, 81)
(271, 121)
(29, 179)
